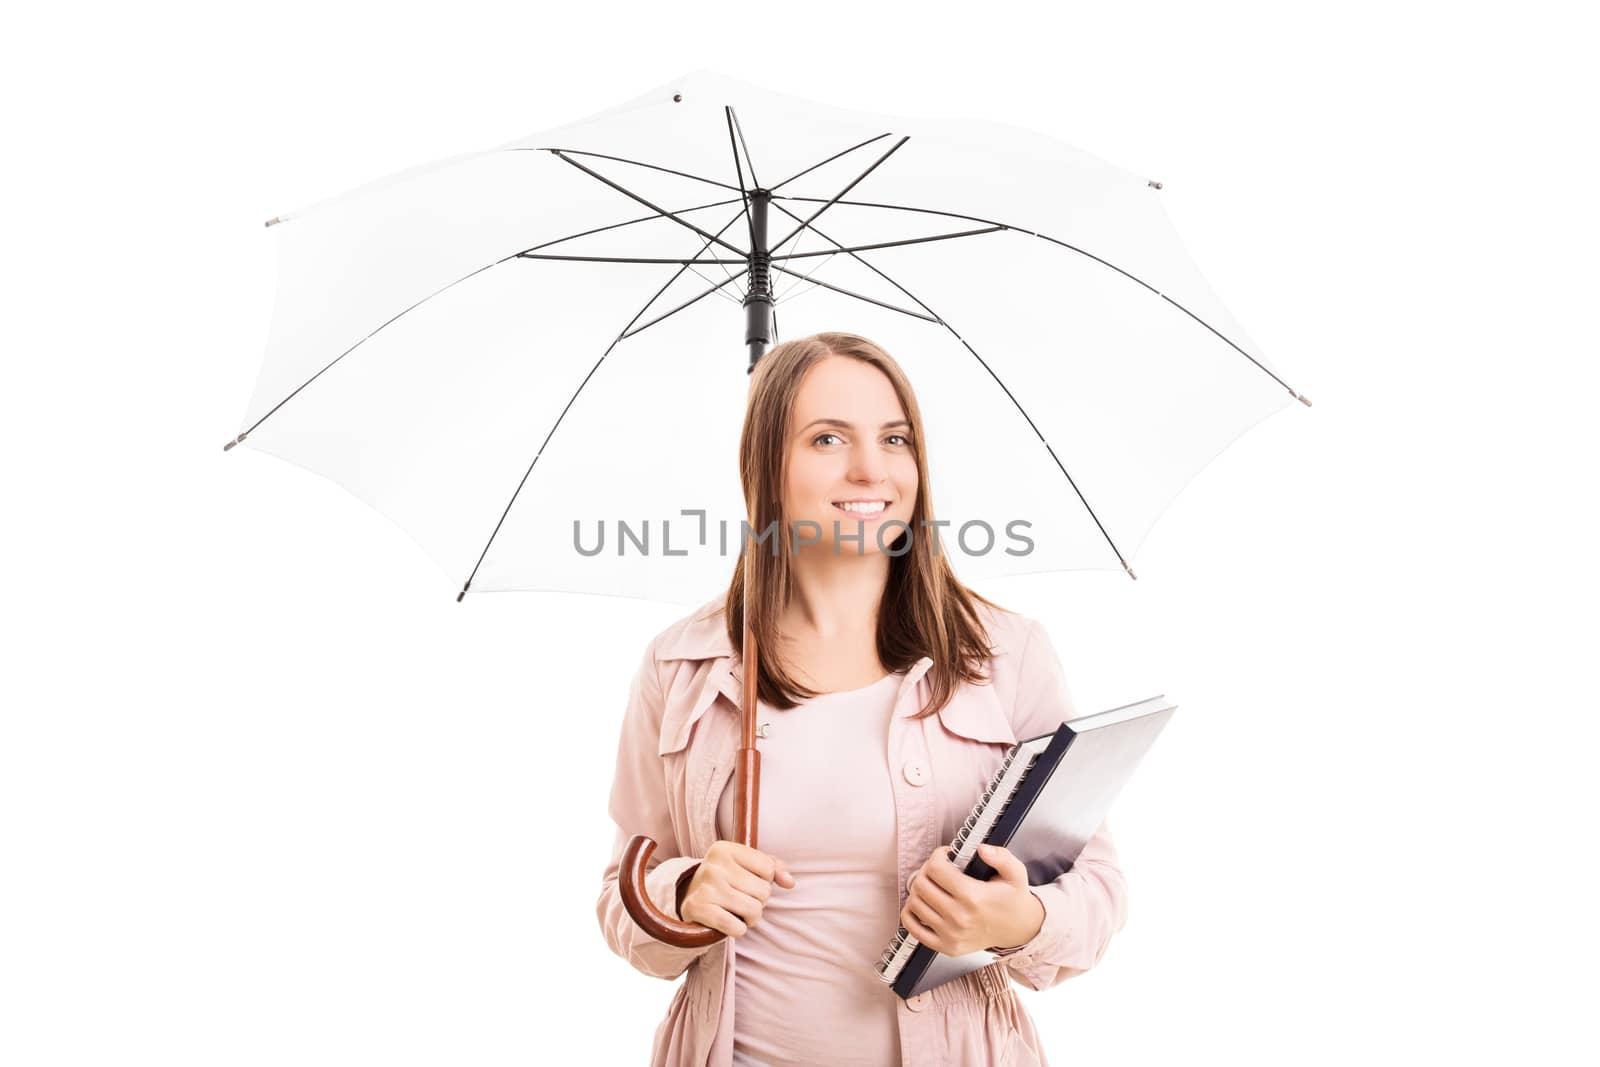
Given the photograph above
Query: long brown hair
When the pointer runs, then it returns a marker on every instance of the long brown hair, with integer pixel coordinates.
(925, 610)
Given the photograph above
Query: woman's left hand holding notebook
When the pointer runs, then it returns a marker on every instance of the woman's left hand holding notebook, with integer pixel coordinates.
(954, 913)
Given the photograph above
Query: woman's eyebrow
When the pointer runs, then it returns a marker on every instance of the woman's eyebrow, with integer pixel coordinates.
(846, 426)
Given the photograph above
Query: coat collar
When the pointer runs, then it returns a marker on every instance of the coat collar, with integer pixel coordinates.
(974, 711)
(702, 635)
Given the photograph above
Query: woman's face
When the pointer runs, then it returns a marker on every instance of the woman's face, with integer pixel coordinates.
(851, 460)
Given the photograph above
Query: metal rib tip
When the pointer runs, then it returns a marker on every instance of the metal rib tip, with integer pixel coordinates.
(1154, 184)
(1129, 569)
(233, 442)
(1306, 400)
(274, 220)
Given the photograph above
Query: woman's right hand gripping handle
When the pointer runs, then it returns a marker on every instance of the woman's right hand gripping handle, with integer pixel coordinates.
(731, 886)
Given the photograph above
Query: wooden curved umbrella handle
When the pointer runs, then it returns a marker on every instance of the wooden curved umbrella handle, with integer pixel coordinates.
(651, 919)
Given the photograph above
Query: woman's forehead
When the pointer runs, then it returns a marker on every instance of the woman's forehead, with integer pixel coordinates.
(848, 390)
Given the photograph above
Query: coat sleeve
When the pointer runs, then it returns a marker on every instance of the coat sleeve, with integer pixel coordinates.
(1089, 903)
(638, 805)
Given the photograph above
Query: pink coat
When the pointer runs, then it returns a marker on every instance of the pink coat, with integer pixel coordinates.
(676, 755)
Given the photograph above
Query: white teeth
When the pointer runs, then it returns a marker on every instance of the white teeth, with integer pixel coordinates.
(864, 509)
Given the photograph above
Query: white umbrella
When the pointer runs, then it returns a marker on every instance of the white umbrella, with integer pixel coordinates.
(1074, 369)
(533, 358)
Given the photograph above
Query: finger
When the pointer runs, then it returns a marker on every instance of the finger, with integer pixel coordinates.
(929, 914)
(745, 908)
(745, 882)
(921, 932)
(947, 876)
(723, 920)
(935, 896)
(1005, 864)
(756, 862)
(783, 877)
(766, 866)
(707, 910)
(941, 858)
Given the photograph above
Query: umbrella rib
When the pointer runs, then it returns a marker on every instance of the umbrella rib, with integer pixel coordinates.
(687, 263)
(618, 225)
(573, 398)
(531, 254)
(1064, 244)
(895, 207)
(853, 183)
(739, 127)
(744, 196)
(692, 300)
(1017, 403)
(830, 159)
(630, 193)
(634, 162)
(690, 263)
(716, 287)
(871, 300)
(797, 283)
(626, 259)
(890, 244)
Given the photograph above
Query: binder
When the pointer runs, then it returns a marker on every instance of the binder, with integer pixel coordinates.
(1044, 803)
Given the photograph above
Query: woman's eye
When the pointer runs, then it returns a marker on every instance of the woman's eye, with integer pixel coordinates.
(894, 437)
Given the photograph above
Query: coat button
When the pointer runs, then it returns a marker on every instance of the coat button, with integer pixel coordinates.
(915, 773)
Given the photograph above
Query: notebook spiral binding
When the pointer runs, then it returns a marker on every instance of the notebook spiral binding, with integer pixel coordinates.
(899, 948)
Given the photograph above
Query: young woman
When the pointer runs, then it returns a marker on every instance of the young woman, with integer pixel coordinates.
(889, 694)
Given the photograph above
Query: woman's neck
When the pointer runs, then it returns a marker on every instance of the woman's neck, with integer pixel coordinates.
(835, 596)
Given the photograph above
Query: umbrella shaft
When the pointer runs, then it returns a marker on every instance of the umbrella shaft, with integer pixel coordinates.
(758, 301)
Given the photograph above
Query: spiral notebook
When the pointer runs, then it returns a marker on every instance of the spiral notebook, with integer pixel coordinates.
(1045, 802)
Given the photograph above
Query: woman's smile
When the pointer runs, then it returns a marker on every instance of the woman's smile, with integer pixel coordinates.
(867, 509)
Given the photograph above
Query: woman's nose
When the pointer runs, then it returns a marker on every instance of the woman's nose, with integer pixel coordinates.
(866, 465)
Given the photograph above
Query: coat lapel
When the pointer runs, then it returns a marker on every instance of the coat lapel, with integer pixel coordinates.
(703, 638)
(974, 712)
(716, 677)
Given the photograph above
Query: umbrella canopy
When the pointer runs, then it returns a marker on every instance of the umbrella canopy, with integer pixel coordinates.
(533, 358)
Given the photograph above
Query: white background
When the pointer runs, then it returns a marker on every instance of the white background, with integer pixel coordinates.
(269, 795)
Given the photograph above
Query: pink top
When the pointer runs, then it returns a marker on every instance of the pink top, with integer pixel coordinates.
(676, 749)
(827, 810)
